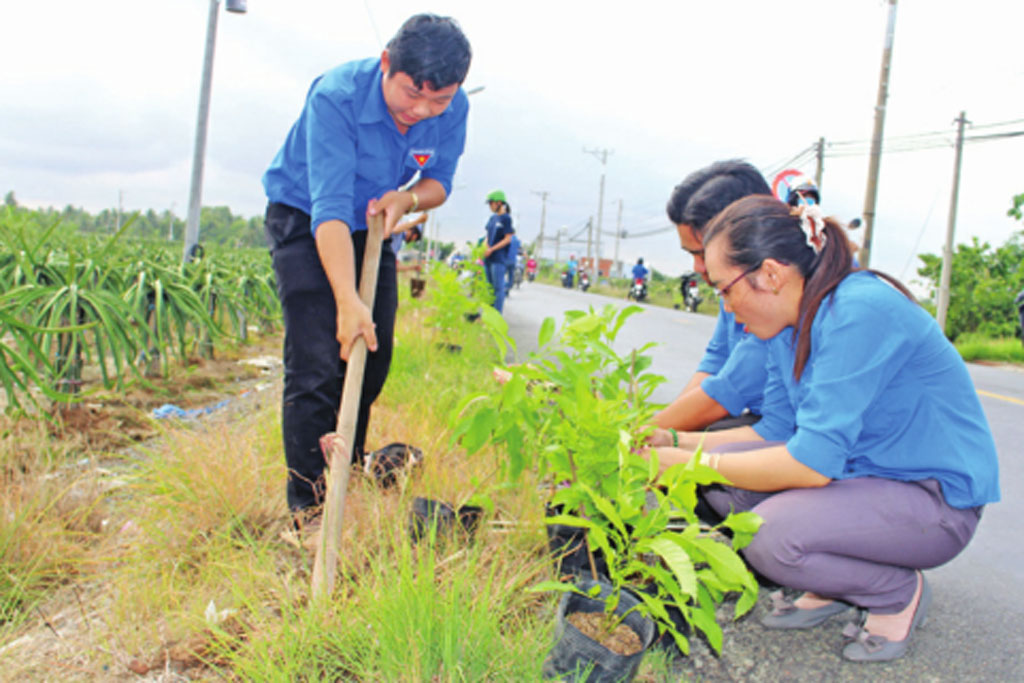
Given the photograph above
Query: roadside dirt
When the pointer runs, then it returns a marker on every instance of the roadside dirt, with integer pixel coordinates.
(59, 641)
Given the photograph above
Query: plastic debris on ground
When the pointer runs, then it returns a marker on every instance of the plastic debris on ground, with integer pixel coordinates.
(170, 410)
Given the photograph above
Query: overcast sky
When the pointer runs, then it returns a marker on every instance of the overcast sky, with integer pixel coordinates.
(100, 98)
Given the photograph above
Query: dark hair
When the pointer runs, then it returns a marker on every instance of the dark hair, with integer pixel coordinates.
(431, 49)
(759, 228)
(417, 234)
(703, 194)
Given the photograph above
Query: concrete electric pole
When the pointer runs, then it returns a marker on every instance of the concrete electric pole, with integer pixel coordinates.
(947, 251)
(871, 193)
(602, 156)
(543, 194)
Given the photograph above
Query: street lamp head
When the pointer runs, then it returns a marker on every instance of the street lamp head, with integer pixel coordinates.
(236, 6)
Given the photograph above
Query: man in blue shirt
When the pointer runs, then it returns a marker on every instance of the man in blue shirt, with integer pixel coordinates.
(571, 267)
(367, 128)
(640, 270)
(728, 388)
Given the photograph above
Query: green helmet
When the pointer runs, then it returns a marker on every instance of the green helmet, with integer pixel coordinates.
(496, 196)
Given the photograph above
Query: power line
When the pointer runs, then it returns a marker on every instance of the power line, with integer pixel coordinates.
(633, 235)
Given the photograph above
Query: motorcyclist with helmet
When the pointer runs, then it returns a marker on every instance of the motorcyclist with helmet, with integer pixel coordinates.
(638, 289)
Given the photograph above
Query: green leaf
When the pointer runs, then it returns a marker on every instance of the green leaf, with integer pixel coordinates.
(709, 627)
(547, 330)
(480, 429)
(745, 522)
(547, 586)
(607, 509)
(746, 602)
(726, 564)
(669, 550)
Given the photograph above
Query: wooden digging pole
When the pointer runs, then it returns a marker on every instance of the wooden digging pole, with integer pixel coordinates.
(337, 445)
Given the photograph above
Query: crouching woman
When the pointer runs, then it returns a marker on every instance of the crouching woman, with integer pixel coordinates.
(873, 460)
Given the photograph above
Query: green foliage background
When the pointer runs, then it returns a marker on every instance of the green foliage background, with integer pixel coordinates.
(983, 284)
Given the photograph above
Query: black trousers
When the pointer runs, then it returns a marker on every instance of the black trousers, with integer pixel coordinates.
(314, 374)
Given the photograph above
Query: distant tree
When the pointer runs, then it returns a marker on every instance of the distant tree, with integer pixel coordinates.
(9, 200)
(1015, 210)
(983, 284)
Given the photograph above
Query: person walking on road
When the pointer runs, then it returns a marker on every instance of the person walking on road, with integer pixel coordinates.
(366, 129)
(873, 460)
(499, 236)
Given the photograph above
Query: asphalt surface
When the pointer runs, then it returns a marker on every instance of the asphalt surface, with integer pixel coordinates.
(975, 629)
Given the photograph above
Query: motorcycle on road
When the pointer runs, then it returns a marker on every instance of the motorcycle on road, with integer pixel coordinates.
(690, 286)
(638, 290)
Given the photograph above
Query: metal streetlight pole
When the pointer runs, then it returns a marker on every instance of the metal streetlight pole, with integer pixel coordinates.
(195, 197)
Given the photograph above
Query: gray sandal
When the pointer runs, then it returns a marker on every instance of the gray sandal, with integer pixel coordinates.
(866, 647)
(785, 614)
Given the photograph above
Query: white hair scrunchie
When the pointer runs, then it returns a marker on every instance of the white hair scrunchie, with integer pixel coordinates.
(812, 222)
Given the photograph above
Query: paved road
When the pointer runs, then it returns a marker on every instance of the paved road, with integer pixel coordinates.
(975, 630)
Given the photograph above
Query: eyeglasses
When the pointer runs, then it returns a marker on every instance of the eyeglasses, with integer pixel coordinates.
(724, 291)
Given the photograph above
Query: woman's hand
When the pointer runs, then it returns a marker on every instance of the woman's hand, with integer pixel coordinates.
(667, 456)
(659, 438)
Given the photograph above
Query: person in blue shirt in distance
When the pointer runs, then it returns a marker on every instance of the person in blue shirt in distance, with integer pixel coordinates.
(366, 129)
(499, 236)
(873, 460)
(728, 387)
(640, 270)
(511, 263)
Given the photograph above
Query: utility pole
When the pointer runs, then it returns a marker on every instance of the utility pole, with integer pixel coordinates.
(602, 156)
(558, 246)
(590, 240)
(170, 223)
(871, 193)
(820, 170)
(947, 251)
(618, 234)
(543, 194)
(120, 204)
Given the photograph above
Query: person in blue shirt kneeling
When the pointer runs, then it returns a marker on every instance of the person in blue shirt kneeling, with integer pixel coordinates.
(873, 459)
(728, 387)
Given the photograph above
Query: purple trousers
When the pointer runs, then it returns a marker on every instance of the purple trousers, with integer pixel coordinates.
(856, 540)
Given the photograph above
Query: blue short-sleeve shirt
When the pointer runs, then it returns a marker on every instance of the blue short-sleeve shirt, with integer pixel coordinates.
(883, 394)
(498, 226)
(512, 253)
(345, 148)
(736, 361)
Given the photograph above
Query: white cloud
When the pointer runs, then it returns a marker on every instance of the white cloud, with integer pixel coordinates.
(102, 97)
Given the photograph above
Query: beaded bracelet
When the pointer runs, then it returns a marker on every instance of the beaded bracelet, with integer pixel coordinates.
(675, 437)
